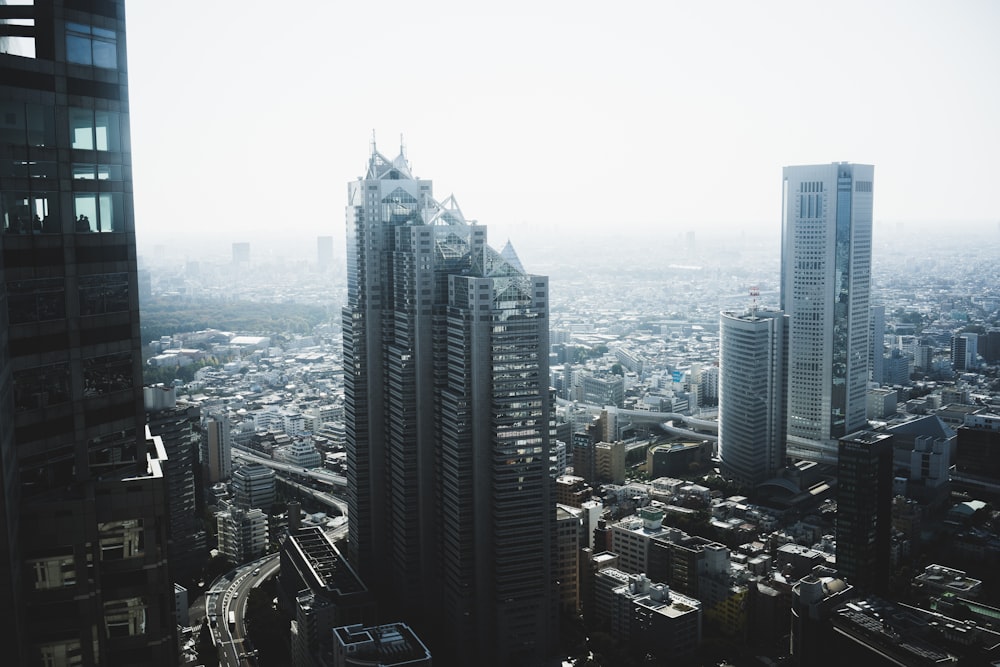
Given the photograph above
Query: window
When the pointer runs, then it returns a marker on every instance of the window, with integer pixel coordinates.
(99, 172)
(54, 572)
(94, 130)
(90, 45)
(38, 387)
(104, 293)
(107, 374)
(37, 300)
(125, 618)
(121, 539)
(99, 212)
(29, 213)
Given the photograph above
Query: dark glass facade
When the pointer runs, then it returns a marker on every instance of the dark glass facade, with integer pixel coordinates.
(84, 504)
(452, 520)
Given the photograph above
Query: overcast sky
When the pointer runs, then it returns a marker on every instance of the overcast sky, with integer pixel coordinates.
(248, 118)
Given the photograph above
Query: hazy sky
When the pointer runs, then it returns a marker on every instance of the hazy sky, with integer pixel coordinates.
(249, 117)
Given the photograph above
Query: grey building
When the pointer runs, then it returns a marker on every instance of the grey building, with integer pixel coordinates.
(447, 411)
(752, 394)
(826, 256)
(253, 486)
(83, 511)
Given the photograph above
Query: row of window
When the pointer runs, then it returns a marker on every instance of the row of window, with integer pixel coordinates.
(38, 212)
(50, 385)
(34, 125)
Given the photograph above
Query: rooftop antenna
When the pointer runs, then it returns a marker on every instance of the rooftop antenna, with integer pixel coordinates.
(373, 142)
(402, 146)
(754, 293)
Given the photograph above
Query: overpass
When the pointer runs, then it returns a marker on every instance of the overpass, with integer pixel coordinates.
(320, 475)
(698, 427)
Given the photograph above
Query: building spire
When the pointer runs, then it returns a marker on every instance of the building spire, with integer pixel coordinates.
(372, 144)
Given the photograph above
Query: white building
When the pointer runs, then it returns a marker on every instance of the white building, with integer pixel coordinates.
(826, 256)
(631, 538)
(299, 453)
(752, 397)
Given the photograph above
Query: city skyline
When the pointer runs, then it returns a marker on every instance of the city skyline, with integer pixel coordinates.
(707, 103)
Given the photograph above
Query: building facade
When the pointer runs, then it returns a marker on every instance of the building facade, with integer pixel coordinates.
(253, 486)
(83, 512)
(447, 414)
(752, 395)
(826, 256)
(864, 509)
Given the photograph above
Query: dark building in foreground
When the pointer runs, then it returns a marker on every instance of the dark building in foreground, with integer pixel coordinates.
(864, 509)
(83, 517)
(389, 645)
(447, 413)
(319, 589)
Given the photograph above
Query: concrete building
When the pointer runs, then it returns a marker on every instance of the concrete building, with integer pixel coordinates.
(571, 536)
(253, 486)
(389, 645)
(320, 589)
(753, 355)
(632, 538)
(216, 448)
(242, 534)
(826, 256)
(815, 598)
(77, 468)
(650, 617)
(609, 460)
(447, 407)
(964, 351)
(881, 403)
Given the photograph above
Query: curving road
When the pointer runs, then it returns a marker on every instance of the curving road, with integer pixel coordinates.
(230, 593)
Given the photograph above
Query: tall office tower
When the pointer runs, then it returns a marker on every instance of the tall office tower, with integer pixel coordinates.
(876, 351)
(964, 350)
(176, 425)
(447, 411)
(324, 252)
(752, 397)
(826, 254)
(216, 448)
(864, 509)
(83, 518)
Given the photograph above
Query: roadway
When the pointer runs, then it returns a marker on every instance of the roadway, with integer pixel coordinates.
(230, 593)
(318, 474)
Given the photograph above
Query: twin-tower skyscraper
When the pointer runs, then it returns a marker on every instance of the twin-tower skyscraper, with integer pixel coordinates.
(799, 376)
(446, 384)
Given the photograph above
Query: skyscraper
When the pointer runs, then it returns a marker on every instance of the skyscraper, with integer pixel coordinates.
(752, 396)
(825, 287)
(83, 520)
(864, 509)
(447, 411)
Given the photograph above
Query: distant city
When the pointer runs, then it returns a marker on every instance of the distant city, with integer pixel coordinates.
(408, 442)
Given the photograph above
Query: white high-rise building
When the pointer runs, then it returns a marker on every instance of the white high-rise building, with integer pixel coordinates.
(826, 253)
(752, 397)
